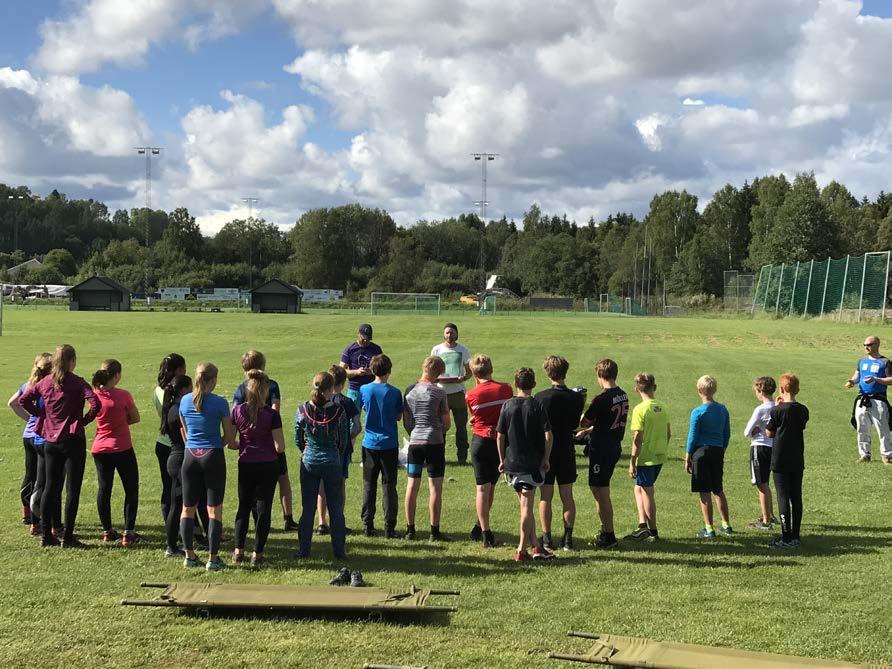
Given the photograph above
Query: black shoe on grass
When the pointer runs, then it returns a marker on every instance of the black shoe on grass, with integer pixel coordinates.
(476, 533)
(356, 580)
(341, 578)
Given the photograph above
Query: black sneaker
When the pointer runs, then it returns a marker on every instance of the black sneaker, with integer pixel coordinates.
(605, 540)
(476, 533)
(50, 543)
(640, 534)
(323, 530)
(410, 534)
(390, 533)
(356, 579)
(290, 525)
(438, 536)
(567, 542)
(546, 542)
(370, 530)
(489, 539)
(72, 542)
(257, 561)
(341, 578)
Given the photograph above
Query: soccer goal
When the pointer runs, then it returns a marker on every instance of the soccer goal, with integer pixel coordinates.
(414, 302)
(488, 306)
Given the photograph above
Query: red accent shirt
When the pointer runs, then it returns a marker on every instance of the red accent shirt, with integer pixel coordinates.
(62, 412)
(485, 402)
(112, 426)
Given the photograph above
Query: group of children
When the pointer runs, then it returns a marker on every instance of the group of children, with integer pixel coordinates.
(530, 440)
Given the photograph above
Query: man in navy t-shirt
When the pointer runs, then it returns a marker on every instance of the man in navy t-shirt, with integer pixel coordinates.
(356, 359)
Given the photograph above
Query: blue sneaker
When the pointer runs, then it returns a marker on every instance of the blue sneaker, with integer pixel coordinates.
(215, 565)
(706, 534)
(727, 529)
(190, 563)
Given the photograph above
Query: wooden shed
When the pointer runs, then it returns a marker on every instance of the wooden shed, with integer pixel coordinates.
(276, 297)
(99, 293)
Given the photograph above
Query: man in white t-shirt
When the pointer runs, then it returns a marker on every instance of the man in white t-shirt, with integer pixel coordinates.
(458, 370)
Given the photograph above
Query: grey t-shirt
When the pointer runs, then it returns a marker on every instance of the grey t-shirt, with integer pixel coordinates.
(423, 409)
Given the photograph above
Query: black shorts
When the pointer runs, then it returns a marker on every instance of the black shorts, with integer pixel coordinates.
(485, 458)
(524, 481)
(602, 459)
(434, 455)
(283, 465)
(563, 466)
(707, 469)
(760, 464)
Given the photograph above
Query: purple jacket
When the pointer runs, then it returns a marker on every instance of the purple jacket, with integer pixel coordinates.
(62, 413)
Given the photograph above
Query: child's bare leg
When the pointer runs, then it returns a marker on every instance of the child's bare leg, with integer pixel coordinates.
(722, 502)
(546, 494)
(706, 508)
(765, 502)
(605, 507)
(650, 507)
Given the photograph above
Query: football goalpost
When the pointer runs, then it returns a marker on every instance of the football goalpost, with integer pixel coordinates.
(406, 302)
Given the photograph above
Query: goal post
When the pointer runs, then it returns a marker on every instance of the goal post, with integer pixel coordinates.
(406, 302)
(488, 306)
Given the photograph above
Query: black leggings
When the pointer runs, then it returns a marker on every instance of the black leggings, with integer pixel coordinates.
(128, 469)
(175, 508)
(39, 487)
(162, 452)
(63, 459)
(30, 477)
(788, 486)
(204, 471)
(256, 487)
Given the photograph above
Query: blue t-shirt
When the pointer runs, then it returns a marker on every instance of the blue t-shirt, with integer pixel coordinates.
(872, 367)
(29, 432)
(710, 426)
(240, 396)
(383, 405)
(359, 357)
(203, 429)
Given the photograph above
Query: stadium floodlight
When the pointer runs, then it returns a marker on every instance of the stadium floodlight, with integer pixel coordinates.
(15, 220)
(148, 152)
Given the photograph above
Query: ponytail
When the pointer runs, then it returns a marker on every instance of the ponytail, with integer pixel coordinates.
(173, 391)
(257, 393)
(205, 376)
(168, 368)
(323, 383)
(63, 361)
(110, 368)
(43, 365)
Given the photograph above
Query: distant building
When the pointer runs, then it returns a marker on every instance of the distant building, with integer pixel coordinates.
(99, 293)
(26, 266)
(322, 295)
(276, 296)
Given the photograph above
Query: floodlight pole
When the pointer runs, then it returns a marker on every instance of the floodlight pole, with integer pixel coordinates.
(250, 201)
(148, 152)
(15, 221)
(484, 158)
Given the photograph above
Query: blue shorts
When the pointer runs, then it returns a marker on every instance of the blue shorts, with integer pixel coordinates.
(647, 475)
(356, 397)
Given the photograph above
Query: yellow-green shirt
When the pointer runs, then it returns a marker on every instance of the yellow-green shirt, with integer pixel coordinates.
(651, 418)
(157, 399)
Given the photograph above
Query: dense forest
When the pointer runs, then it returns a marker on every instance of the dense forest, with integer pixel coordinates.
(771, 219)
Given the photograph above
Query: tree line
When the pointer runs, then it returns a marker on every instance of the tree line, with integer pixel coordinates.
(358, 249)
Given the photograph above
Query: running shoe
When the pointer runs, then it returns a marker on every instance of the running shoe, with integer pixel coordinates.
(605, 540)
(110, 537)
(522, 556)
(706, 534)
(640, 534)
(35, 531)
(356, 580)
(864, 458)
(489, 539)
(130, 539)
(567, 542)
(174, 552)
(290, 525)
(72, 542)
(887, 460)
(727, 529)
(410, 535)
(238, 557)
(759, 525)
(257, 561)
(215, 565)
(341, 578)
(323, 530)
(476, 533)
(50, 543)
(541, 553)
(439, 537)
(191, 562)
(780, 542)
(370, 530)
(390, 533)
(653, 537)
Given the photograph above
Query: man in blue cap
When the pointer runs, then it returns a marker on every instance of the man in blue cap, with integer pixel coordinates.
(356, 358)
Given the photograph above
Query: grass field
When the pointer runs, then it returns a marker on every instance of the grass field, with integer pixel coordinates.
(830, 599)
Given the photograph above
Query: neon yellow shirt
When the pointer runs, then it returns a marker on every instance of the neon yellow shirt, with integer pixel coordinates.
(651, 418)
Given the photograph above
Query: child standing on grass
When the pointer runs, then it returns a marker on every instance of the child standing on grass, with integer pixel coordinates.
(760, 450)
(704, 459)
(524, 442)
(786, 426)
(650, 448)
(383, 406)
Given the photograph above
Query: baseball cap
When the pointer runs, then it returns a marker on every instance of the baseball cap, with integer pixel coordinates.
(365, 330)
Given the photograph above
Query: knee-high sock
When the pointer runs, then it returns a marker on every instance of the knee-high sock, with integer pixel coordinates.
(187, 532)
(215, 530)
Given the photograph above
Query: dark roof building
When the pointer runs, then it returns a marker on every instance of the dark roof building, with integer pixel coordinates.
(276, 297)
(99, 293)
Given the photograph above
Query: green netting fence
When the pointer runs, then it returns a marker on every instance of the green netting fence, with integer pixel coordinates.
(854, 286)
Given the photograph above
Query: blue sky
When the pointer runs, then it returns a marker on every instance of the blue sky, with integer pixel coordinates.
(585, 101)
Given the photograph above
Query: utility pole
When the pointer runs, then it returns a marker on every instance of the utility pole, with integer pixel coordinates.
(15, 220)
(148, 152)
(484, 158)
(250, 201)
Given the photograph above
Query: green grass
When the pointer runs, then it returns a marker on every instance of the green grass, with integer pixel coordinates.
(827, 600)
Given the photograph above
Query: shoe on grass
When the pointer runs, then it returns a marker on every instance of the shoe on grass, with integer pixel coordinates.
(238, 557)
(174, 552)
(476, 534)
(257, 561)
(72, 542)
(541, 553)
(887, 460)
(130, 539)
(390, 533)
(341, 578)
(110, 537)
(760, 525)
(546, 542)
(522, 556)
(567, 542)
(439, 537)
(606, 540)
(215, 565)
(191, 563)
(370, 530)
(640, 534)
(706, 534)
(780, 542)
(290, 525)
(323, 530)
(489, 539)
(727, 529)
(356, 580)
(864, 458)
(50, 543)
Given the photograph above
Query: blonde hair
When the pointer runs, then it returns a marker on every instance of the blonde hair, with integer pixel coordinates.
(433, 367)
(257, 393)
(323, 383)
(205, 375)
(481, 365)
(63, 361)
(43, 365)
(645, 382)
(707, 386)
